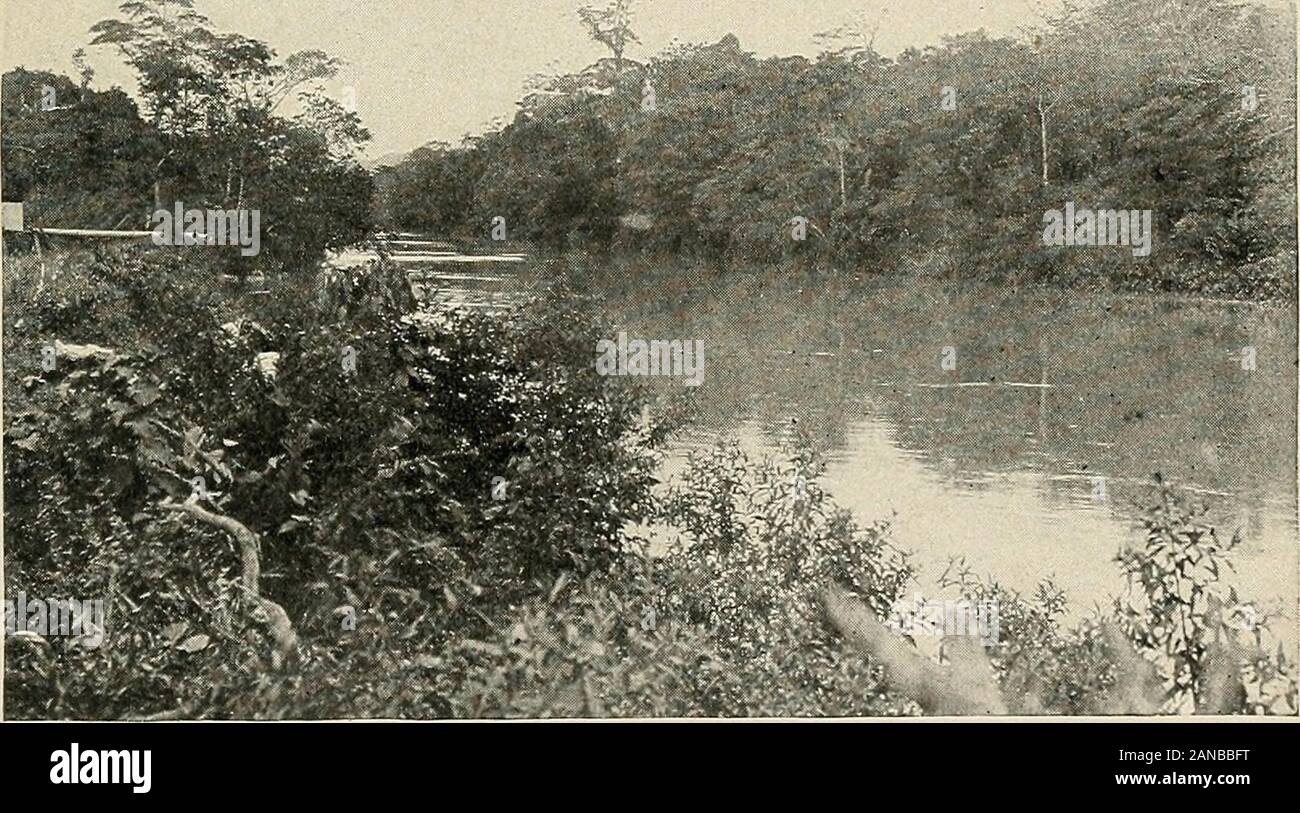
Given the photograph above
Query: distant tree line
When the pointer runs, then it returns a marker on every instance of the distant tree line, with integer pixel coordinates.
(208, 132)
(943, 159)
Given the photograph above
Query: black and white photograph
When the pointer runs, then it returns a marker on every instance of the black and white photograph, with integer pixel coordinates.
(426, 360)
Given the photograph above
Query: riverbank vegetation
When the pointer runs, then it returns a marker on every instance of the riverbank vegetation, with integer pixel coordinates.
(941, 161)
(210, 131)
(456, 523)
(300, 495)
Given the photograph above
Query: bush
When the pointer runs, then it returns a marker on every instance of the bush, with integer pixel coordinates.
(1179, 627)
(597, 649)
(757, 543)
(322, 503)
(1179, 607)
(369, 492)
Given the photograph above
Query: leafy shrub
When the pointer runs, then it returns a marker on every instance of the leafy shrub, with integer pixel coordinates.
(370, 493)
(1179, 621)
(597, 649)
(757, 543)
(1179, 606)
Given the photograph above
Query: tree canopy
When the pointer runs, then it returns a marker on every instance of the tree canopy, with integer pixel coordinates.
(943, 157)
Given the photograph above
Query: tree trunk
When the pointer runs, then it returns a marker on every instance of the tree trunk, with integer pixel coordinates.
(157, 186)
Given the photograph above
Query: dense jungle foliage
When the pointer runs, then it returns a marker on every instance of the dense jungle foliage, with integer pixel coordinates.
(941, 160)
(307, 497)
(457, 523)
(208, 133)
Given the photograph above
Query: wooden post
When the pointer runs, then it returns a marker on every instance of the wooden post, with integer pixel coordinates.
(40, 258)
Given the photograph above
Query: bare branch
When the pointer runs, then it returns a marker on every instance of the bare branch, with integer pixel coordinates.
(282, 632)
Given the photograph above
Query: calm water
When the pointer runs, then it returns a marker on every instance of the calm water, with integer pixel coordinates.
(1032, 472)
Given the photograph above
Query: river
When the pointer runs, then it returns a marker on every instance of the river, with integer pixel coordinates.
(1028, 457)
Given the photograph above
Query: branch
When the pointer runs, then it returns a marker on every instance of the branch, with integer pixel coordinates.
(282, 632)
(182, 712)
(966, 687)
(1274, 135)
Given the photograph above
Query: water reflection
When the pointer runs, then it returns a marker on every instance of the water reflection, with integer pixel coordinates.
(1027, 457)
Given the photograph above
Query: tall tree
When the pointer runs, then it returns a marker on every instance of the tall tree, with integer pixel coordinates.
(207, 93)
(611, 26)
(213, 97)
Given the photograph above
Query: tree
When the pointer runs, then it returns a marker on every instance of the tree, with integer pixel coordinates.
(84, 163)
(611, 26)
(1117, 103)
(213, 97)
